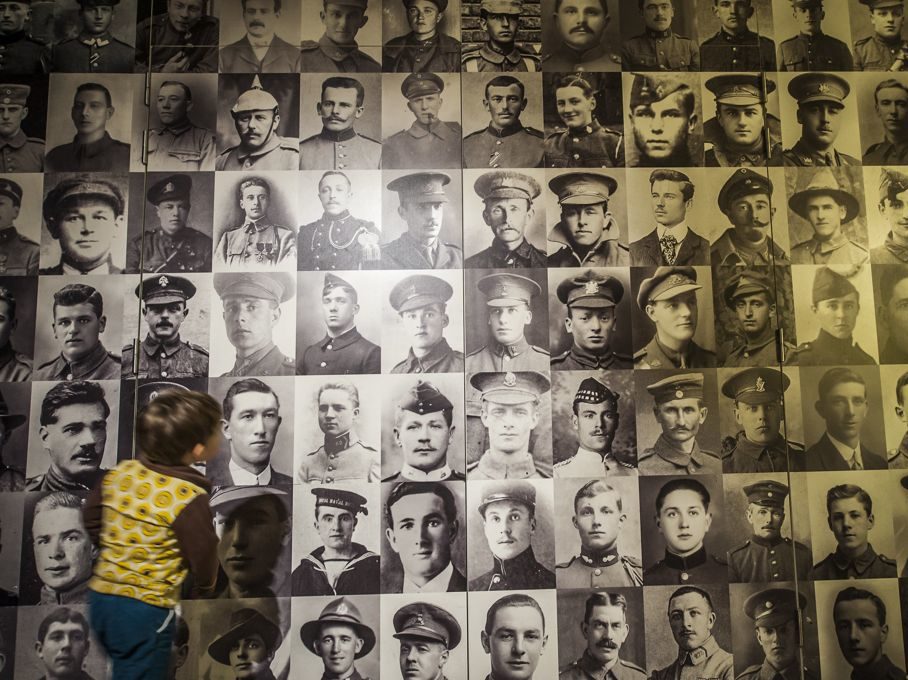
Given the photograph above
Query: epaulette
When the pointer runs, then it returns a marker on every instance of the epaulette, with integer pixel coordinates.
(473, 465)
(34, 140)
(863, 41)
(368, 137)
(363, 444)
(543, 473)
(290, 147)
(885, 559)
(126, 349)
(227, 151)
(631, 665)
(623, 357)
(115, 357)
(798, 446)
(562, 463)
(288, 361)
(26, 239)
(534, 132)
(474, 134)
(646, 454)
(712, 454)
(613, 132)
(740, 547)
(48, 363)
(729, 444)
(391, 478)
(722, 559)
(565, 565)
(452, 245)
(640, 353)
(750, 670)
(309, 45)
(892, 455)
(561, 357)
(197, 348)
(633, 561)
(539, 350)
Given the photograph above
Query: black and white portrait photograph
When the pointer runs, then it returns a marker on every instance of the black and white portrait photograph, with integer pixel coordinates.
(24, 123)
(504, 38)
(13, 505)
(14, 405)
(873, 30)
(893, 382)
(20, 223)
(653, 22)
(55, 640)
(181, 122)
(259, 36)
(92, 38)
(341, 37)
(581, 35)
(881, 109)
(885, 209)
(421, 35)
(17, 328)
(899, 495)
(736, 36)
(812, 36)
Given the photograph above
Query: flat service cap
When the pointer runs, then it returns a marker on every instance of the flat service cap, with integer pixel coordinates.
(774, 606)
(164, 289)
(747, 282)
(756, 386)
(522, 492)
(427, 622)
(421, 187)
(421, 84)
(583, 188)
(172, 188)
(767, 492)
(666, 283)
(339, 498)
(14, 93)
(516, 387)
(743, 182)
(739, 89)
(506, 184)
(590, 290)
(819, 87)
(418, 291)
(507, 290)
(276, 286)
(11, 189)
(683, 386)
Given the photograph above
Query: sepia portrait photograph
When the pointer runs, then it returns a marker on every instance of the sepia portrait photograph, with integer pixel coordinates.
(21, 196)
(42, 634)
(17, 303)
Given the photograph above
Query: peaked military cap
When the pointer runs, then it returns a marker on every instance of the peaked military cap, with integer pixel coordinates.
(172, 188)
(165, 289)
(442, 5)
(276, 286)
(358, 4)
(743, 182)
(333, 281)
(14, 93)
(591, 391)
(506, 184)
(244, 623)
(828, 284)
(339, 498)
(512, 387)
(747, 282)
(342, 611)
(421, 187)
(226, 499)
(806, 3)
(648, 88)
(824, 183)
(418, 291)
(879, 4)
(424, 397)
(256, 98)
(774, 606)
(590, 290)
(421, 84)
(98, 3)
(583, 188)
(892, 183)
(149, 391)
(427, 622)
(756, 385)
(819, 87)
(506, 290)
(10, 189)
(739, 89)
(521, 492)
(767, 492)
(683, 386)
(75, 188)
(511, 7)
(9, 420)
(666, 283)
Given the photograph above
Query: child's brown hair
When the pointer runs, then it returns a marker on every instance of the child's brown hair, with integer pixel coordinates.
(173, 423)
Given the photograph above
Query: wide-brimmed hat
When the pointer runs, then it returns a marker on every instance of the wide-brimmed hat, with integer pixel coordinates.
(344, 612)
(243, 623)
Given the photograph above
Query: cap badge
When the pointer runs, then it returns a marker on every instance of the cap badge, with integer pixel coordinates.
(591, 288)
(153, 396)
(169, 187)
(769, 604)
(824, 88)
(769, 494)
(679, 394)
(760, 385)
(418, 620)
(342, 608)
(427, 188)
(502, 291)
(411, 292)
(163, 281)
(510, 379)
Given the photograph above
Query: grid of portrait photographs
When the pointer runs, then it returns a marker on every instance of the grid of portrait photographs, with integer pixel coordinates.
(554, 338)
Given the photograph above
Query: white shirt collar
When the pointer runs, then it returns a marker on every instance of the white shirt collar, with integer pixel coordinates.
(586, 455)
(103, 268)
(416, 475)
(439, 584)
(679, 231)
(846, 451)
(243, 477)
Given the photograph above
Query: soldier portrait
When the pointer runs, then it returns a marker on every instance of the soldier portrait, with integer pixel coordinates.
(16, 365)
(56, 642)
(577, 35)
(659, 47)
(890, 107)
(509, 211)
(341, 107)
(20, 254)
(897, 457)
(426, 635)
(743, 132)
(249, 644)
(260, 49)
(605, 518)
(750, 295)
(885, 48)
(259, 140)
(343, 454)
(180, 138)
(173, 245)
(812, 48)
(429, 44)
(253, 528)
(735, 46)
(338, 564)
(893, 207)
(20, 151)
(663, 114)
(508, 521)
(337, 51)
(93, 115)
(12, 475)
(24, 54)
(180, 650)
(431, 218)
(506, 142)
(256, 316)
(96, 48)
(500, 21)
(182, 39)
(424, 544)
(429, 141)
(341, 636)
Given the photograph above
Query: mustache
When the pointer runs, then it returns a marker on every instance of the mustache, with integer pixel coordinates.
(607, 644)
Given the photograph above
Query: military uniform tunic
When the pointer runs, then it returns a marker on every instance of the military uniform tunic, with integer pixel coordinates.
(21, 154)
(765, 671)
(409, 54)
(815, 53)
(435, 146)
(18, 254)
(345, 458)
(199, 44)
(92, 54)
(14, 367)
(499, 256)
(565, 59)
(655, 355)
(660, 51)
(105, 155)
(267, 361)
(875, 54)
(587, 669)
(726, 251)
(608, 252)
(522, 572)
(828, 351)
(517, 466)
(360, 576)
(591, 146)
(760, 560)
(741, 352)
(342, 150)
(99, 364)
(184, 148)
(327, 56)
(11, 479)
(576, 359)
(742, 455)
(440, 359)
(188, 250)
(870, 564)
(174, 359)
(605, 570)
(886, 153)
(257, 246)
(405, 253)
(842, 251)
(800, 155)
(890, 252)
(20, 54)
(882, 669)
(486, 58)
(515, 146)
(747, 51)
(721, 155)
(346, 354)
(276, 154)
(240, 57)
(586, 463)
(332, 243)
(672, 569)
(498, 358)
(54, 481)
(897, 458)
(664, 458)
(708, 661)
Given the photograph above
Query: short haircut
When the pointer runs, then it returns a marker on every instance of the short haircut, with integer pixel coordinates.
(177, 83)
(850, 594)
(79, 294)
(57, 499)
(70, 393)
(888, 82)
(61, 615)
(329, 173)
(351, 391)
(172, 424)
(682, 484)
(891, 277)
(837, 376)
(505, 81)
(253, 182)
(602, 3)
(604, 599)
(347, 83)
(687, 187)
(842, 492)
(513, 600)
(95, 87)
(641, 2)
(594, 488)
(277, 5)
(412, 488)
(899, 386)
(684, 590)
(574, 80)
(6, 295)
(241, 386)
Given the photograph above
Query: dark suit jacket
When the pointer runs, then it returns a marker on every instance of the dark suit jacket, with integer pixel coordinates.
(825, 456)
(394, 582)
(646, 252)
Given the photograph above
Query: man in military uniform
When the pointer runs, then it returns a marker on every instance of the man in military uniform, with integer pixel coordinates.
(581, 26)
(849, 513)
(336, 51)
(339, 566)
(591, 299)
(811, 49)
(604, 627)
(505, 142)
(746, 200)
(256, 117)
(18, 253)
(343, 350)
(20, 54)
(836, 304)
(507, 198)
(598, 517)
(735, 47)
(683, 519)
(338, 146)
(508, 511)
(162, 353)
(514, 637)
(821, 100)
(425, 47)
(79, 320)
(258, 243)
(500, 20)
(859, 621)
(429, 142)
(663, 114)
(679, 411)
(890, 101)
(14, 367)
(583, 142)
(897, 458)
(749, 294)
(587, 234)
(172, 245)
(179, 144)
(509, 411)
(18, 153)
(885, 49)
(767, 555)
(659, 48)
(248, 645)
(427, 634)
(251, 311)
(423, 431)
(337, 240)
(420, 301)
(260, 50)
(893, 206)
(92, 148)
(422, 199)
(11, 478)
(343, 456)
(181, 40)
(94, 50)
(669, 300)
(827, 208)
(742, 128)
(339, 637)
(777, 626)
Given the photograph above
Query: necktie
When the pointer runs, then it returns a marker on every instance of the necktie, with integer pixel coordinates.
(428, 253)
(855, 463)
(667, 244)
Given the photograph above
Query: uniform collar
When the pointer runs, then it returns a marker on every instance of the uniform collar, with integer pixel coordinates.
(17, 141)
(696, 657)
(759, 540)
(517, 466)
(512, 350)
(341, 341)
(106, 267)
(761, 342)
(74, 595)
(177, 130)
(593, 669)
(586, 130)
(439, 352)
(590, 360)
(8, 234)
(95, 40)
(54, 481)
(559, 234)
(591, 54)
(490, 53)
(335, 51)
(524, 563)
(658, 35)
(828, 343)
(256, 356)
(341, 442)
(668, 452)
(500, 249)
(685, 563)
(729, 251)
(888, 44)
(151, 345)
(417, 475)
(860, 564)
(824, 247)
(599, 558)
(896, 249)
(273, 142)
(339, 136)
(507, 131)
(810, 157)
(881, 668)
(92, 149)
(436, 128)
(744, 37)
(84, 366)
(12, 37)
(754, 450)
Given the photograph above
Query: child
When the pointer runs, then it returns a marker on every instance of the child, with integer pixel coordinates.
(151, 521)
